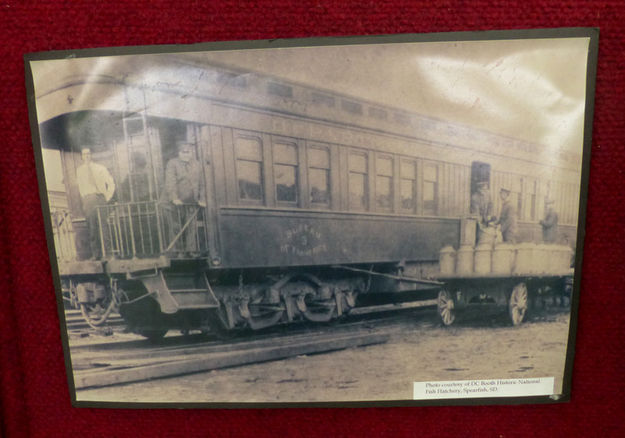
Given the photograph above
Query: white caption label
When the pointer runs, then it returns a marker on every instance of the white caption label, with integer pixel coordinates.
(483, 388)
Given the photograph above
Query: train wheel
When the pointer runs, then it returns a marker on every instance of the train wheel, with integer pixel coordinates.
(218, 324)
(143, 316)
(446, 307)
(153, 334)
(315, 305)
(261, 315)
(517, 305)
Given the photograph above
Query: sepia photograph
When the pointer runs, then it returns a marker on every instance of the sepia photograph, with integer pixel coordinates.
(368, 221)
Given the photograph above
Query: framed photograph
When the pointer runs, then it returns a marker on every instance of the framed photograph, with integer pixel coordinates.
(391, 220)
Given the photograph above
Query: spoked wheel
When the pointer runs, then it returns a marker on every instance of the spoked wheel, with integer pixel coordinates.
(446, 307)
(517, 306)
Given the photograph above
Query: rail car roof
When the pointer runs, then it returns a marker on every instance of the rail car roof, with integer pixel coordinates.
(185, 87)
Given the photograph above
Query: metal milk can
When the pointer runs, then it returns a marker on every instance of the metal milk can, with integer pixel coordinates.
(482, 259)
(447, 260)
(503, 258)
(464, 260)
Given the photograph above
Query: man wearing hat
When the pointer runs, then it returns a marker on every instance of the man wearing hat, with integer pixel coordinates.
(481, 204)
(550, 222)
(184, 188)
(482, 208)
(507, 217)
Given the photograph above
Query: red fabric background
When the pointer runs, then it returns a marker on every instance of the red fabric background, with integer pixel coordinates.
(34, 399)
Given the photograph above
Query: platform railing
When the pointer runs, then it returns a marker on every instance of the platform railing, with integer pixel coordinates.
(151, 229)
(63, 232)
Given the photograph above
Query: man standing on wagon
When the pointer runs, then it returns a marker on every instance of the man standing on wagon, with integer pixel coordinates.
(507, 217)
(482, 207)
(185, 189)
(550, 223)
(96, 187)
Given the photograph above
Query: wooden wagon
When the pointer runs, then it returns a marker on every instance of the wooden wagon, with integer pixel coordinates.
(516, 293)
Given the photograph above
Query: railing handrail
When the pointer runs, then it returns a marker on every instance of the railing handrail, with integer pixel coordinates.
(150, 228)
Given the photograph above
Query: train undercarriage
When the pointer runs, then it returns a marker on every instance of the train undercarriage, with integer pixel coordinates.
(152, 303)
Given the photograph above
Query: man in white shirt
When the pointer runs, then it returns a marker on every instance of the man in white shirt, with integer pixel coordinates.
(96, 187)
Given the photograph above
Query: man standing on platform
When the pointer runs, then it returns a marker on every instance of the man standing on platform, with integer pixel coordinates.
(185, 189)
(96, 187)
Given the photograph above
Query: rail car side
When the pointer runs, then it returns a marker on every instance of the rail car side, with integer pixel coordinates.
(304, 211)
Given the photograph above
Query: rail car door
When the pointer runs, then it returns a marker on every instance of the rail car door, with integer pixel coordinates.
(480, 172)
(136, 160)
(189, 221)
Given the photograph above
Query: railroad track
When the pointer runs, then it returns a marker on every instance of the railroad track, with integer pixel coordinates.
(76, 323)
(106, 364)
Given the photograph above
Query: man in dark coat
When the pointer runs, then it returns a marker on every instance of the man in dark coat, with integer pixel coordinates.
(482, 209)
(507, 217)
(184, 188)
(550, 223)
(481, 204)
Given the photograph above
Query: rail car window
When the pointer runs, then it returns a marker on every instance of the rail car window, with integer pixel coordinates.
(322, 99)
(319, 175)
(517, 190)
(351, 107)
(378, 113)
(357, 181)
(430, 188)
(407, 190)
(279, 89)
(402, 118)
(384, 183)
(249, 168)
(530, 201)
(285, 171)
(233, 79)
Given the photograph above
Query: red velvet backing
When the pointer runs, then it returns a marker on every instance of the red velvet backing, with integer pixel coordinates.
(34, 399)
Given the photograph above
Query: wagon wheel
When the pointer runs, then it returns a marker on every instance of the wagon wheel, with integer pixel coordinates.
(517, 306)
(446, 307)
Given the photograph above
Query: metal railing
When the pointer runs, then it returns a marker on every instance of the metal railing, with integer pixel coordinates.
(63, 232)
(150, 229)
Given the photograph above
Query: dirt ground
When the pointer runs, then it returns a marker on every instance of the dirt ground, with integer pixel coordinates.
(419, 350)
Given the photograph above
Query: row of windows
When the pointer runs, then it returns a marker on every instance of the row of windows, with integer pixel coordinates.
(318, 98)
(370, 186)
(528, 195)
(286, 174)
(285, 169)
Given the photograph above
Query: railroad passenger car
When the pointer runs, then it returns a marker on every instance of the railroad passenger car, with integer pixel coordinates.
(314, 197)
